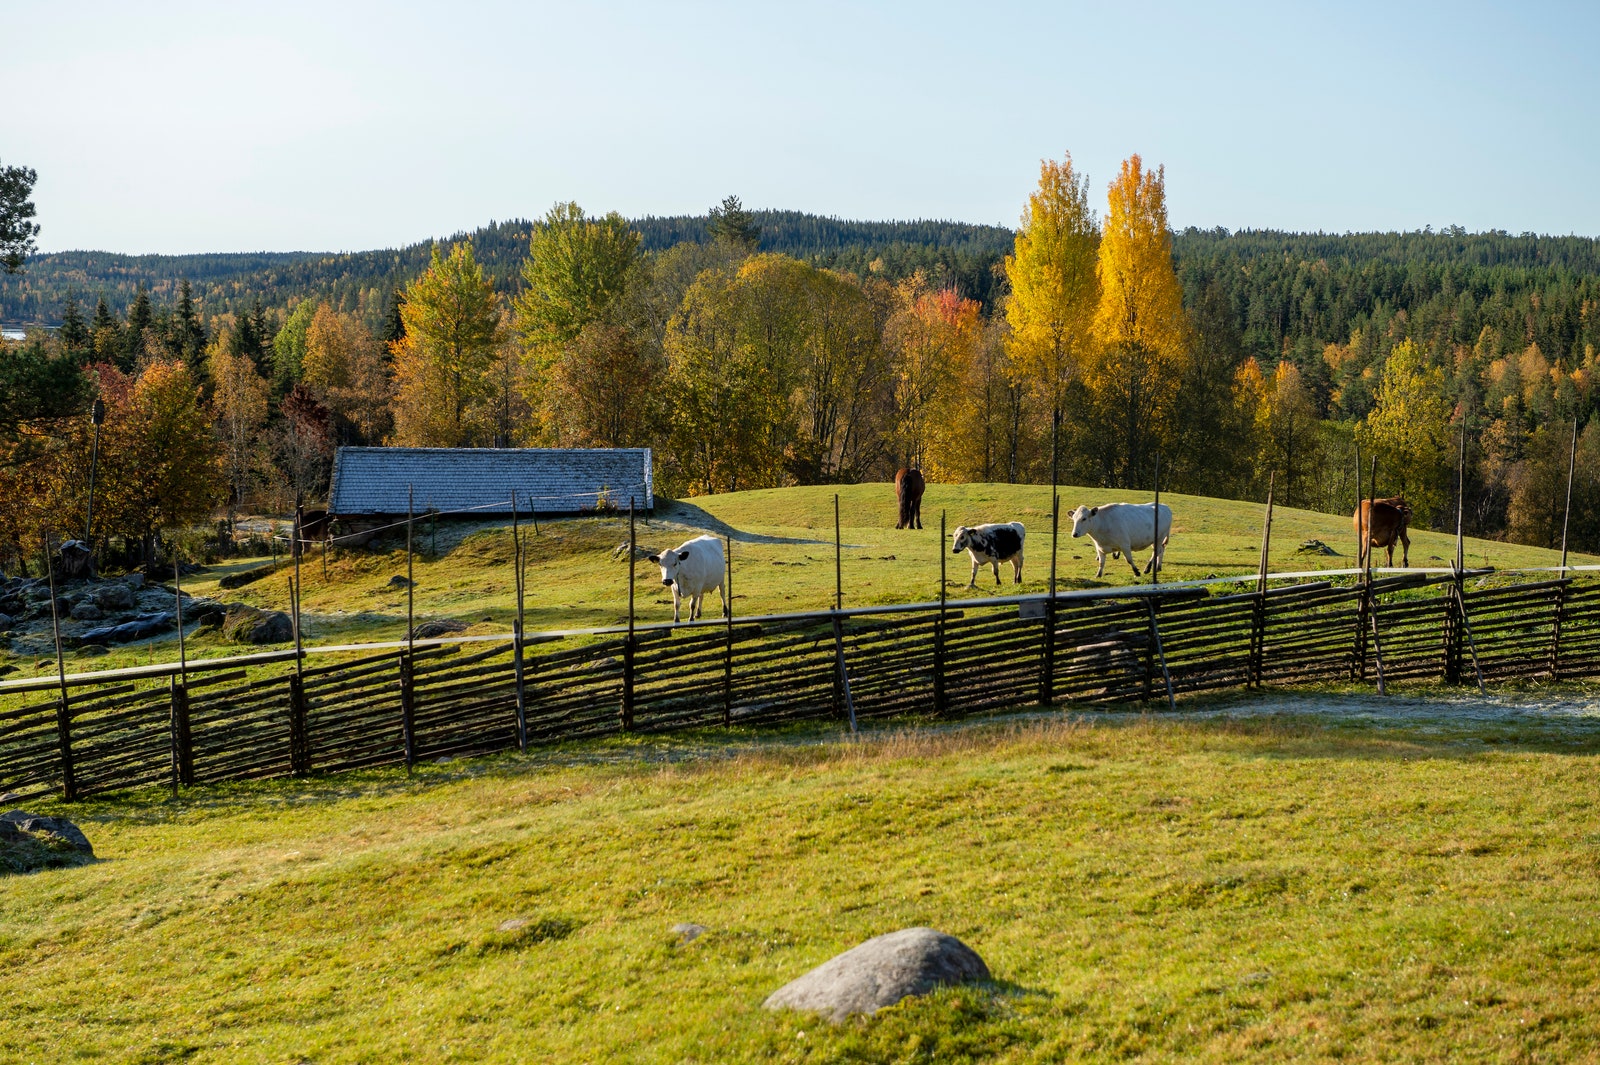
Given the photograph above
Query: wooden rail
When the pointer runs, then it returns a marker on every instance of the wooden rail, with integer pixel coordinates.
(324, 710)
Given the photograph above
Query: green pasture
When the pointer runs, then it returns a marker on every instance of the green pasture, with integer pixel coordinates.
(783, 560)
(1154, 890)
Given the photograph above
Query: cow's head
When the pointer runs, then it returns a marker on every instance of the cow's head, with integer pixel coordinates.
(669, 561)
(961, 540)
(1080, 518)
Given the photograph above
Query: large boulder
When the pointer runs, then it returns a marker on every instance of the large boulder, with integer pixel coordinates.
(31, 841)
(76, 560)
(881, 972)
(246, 624)
(86, 611)
(113, 595)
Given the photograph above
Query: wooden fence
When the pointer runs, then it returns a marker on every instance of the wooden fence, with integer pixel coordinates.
(289, 713)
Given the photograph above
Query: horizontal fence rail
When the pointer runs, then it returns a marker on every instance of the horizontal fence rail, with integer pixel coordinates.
(326, 709)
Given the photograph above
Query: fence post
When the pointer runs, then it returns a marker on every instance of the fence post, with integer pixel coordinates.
(627, 647)
(182, 747)
(1456, 604)
(69, 776)
(1155, 543)
(1258, 613)
(1364, 562)
(1561, 588)
(940, 699)
(1161, 656)
(407, 709)
(727, 656)
(517, 631)
(841, 681)
(1047, 662)
(299, 737)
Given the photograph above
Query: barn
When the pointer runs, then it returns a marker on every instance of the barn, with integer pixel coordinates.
(382, 482)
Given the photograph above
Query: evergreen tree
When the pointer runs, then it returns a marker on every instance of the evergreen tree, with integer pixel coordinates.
(394, 325)
(74, 331)
(730, 222)
(189, 333)
(16, 210)
(105, 334)
(139, 321)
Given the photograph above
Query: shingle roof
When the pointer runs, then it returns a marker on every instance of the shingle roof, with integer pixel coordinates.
(374, 480)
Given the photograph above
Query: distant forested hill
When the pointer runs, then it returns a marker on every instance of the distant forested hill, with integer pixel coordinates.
(950, 252)
(1281, 294)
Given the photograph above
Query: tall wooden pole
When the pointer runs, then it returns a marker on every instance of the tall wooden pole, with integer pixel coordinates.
(69, 777)
(1155, 543)
(628, 647)
(517, 631)
(838, 570)
(1566, 516)
(727, 652)
(939, 698)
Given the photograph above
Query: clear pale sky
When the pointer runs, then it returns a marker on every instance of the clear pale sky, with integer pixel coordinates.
(223, 127)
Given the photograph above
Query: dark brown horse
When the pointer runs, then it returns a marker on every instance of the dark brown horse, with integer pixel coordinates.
(908, 486)
(1385, 524)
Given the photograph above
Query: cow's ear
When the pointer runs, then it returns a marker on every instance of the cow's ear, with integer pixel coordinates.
(683, 556)
(653, 558)
(1093, 511)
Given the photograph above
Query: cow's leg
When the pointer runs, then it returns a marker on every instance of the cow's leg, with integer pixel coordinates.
(916, 512)
(973, 583)
(1391, 555)
(1100, 557)
(726, 604)
(1405, 554)
(1016, 567)
(1133, 562)
(995, 565)
(677, 603)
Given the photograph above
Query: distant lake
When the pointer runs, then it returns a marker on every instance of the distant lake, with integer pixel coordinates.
(11, 332)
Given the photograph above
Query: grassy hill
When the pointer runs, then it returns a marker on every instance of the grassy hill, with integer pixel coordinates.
(1272, 889)
(782, 561)
(783, 557)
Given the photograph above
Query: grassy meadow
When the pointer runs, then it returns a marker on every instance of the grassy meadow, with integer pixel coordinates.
(1149, 890)
(783, 561)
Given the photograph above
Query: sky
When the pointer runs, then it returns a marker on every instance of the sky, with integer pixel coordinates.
(166, 127)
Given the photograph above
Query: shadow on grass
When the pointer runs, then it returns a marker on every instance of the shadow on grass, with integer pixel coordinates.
(693, 516)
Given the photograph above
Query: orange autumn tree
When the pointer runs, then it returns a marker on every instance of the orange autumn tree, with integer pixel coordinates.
(933, 340)
(1141, 339)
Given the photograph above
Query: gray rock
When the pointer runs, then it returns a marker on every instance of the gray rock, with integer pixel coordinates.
(881, 972)
(140, 628)
(113, 595)
(688, 933)
(398, 582)
(6, 621)
(135, 581)
(86, 611)
(246, 624)
(429, 630)
(19, 824)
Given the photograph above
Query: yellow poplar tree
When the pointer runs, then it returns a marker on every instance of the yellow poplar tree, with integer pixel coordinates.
(239, 404)
(1054, 286)
(1133, 373)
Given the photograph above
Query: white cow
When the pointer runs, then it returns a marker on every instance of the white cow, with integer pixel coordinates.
(692, 569)
(991, 544)
(1123, 528)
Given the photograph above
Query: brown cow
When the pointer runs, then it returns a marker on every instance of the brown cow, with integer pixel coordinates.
(1386, 524)
(908, 487)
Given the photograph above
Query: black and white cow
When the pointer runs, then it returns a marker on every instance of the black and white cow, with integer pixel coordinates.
(992, 544)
